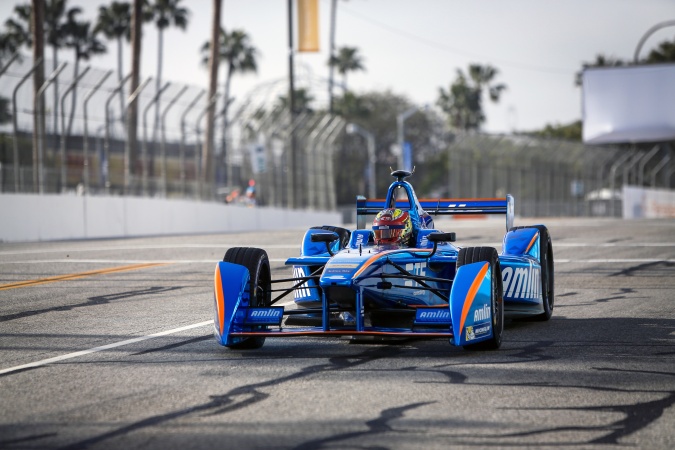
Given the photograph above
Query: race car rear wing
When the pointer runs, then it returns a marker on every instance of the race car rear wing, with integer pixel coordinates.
(440, 207)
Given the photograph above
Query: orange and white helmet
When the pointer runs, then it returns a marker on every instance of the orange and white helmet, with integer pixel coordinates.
(392, 226)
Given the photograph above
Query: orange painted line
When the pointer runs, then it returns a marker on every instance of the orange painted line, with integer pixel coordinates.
(473, 290)
(220, 299)
(376, 256)
(75, 276)
(534, 238)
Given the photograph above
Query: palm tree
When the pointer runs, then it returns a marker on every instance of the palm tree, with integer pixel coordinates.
(164, 14)
(18, 31)
(85, 43)
(239, 56)
(463, 102)
(346, 60)
(114, 21)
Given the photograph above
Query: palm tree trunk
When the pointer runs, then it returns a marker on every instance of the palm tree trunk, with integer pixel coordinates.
(132, 117)
(226, 105)
(73, 101)
(55, 119)
(37, 20)
(207, 155)
(120, 77)
(158, 85)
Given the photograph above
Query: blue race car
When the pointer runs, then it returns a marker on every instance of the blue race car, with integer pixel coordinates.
(398, 278)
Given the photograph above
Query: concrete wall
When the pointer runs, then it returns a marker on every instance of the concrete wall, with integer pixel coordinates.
(29, 217)
(649, 203)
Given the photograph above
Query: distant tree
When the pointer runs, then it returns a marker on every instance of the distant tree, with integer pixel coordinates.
(571, 131)
(165, 13)
(239, 56)
(80, 37)
(350, 106)
(114, 21)
(303, 101)
(463, 101)
(600, 61)
(347, 60)
(664, 53)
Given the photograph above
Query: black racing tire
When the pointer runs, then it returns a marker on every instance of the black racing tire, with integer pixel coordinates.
(547, 272)
(258, 265)
(344, 233)
(470, 255)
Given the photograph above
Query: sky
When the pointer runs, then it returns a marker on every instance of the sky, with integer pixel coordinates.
(414, 47)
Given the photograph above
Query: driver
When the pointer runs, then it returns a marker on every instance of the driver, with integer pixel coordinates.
(393, 227)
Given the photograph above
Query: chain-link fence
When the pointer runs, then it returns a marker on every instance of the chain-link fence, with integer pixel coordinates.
(304, 161)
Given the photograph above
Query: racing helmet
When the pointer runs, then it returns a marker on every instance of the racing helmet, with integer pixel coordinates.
(392, 226)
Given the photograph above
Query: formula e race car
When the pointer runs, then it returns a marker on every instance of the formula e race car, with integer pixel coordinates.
(365, 283)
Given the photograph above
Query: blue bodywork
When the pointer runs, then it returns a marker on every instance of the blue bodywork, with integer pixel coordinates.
(366, 289)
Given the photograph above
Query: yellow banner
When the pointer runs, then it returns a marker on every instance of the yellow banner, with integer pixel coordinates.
(308, 25)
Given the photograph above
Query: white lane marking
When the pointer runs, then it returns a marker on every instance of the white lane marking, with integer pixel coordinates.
(44, 362)
(297, 247)
(126, 261)
(148, 247)
(283, 260)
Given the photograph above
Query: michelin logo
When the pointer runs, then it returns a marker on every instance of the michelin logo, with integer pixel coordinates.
(473, 332)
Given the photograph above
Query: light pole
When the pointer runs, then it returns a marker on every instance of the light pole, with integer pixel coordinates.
(649, 32)
(400, 123)
(352, 128)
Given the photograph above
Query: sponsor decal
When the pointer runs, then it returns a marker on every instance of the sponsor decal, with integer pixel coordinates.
(473, 332)
(419, 269)
(470, 336)
(522, 282)
(482, 314)
(302, 291)
(359, 239)
(265, 315)
(342, 266)
(433, 315)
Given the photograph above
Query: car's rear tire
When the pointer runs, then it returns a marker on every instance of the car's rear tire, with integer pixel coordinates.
(470, 255)
(260, 284)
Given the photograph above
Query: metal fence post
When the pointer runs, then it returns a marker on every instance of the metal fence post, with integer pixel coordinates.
(106, 139)
(641, 165)
(15, 125)
(38, 170)
(198, 174)
(181, 148)
(62, 183)
(329, 179)
(314, 135)
(612, 175)
(144, 145)
(127, 147)
(85, 146)
(163, 147)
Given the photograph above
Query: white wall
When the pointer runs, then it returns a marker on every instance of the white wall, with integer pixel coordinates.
(30, 217)
(639, 202)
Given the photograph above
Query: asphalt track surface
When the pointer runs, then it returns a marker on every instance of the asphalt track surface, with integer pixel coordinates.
(108, 344)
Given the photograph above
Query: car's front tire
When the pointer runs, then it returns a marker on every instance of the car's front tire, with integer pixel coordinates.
(258, 265)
